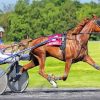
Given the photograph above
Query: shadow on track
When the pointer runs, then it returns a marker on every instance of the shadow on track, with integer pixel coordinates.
(54, 94)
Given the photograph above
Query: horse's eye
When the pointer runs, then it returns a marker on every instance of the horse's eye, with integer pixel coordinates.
(98, 22)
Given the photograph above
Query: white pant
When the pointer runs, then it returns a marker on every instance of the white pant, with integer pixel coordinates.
(4, 56)
(12, 59)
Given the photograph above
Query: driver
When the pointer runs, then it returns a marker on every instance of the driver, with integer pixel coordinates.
(2, 47)
(4, 56)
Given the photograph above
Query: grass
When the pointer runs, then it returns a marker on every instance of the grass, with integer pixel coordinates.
(81, 74)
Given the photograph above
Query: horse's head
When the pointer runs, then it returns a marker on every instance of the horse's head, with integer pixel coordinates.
(24, 43)
(92, 26)
(96, 27)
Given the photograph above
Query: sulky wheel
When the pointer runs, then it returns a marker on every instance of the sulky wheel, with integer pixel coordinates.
(3, 81)
(21, 84)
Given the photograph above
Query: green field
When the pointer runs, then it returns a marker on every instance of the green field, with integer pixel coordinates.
(81, 74)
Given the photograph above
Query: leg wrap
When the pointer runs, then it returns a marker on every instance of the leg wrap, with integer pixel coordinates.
(51, 77)
(96, 66)
(52, 81)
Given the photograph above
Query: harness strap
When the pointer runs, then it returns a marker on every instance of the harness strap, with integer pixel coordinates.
(63, 46)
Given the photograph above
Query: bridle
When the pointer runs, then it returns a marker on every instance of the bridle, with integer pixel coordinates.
(97, 22)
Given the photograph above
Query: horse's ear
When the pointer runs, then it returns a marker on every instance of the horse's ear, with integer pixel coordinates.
(86, 19)
(94, 16)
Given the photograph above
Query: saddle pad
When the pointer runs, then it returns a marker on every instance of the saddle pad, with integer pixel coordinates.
(55, 39)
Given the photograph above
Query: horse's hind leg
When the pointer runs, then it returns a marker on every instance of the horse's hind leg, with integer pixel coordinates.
(90, 61)
(41, 59)
(33, 63)
(30, 65)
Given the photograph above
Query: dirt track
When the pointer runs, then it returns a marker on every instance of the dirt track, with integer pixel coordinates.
(54, 94)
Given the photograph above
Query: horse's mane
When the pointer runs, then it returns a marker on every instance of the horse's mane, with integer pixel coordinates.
(78, 28)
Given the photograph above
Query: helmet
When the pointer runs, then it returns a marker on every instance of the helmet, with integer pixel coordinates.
(2, 29)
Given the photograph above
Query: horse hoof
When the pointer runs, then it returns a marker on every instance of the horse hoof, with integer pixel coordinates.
(53, 83)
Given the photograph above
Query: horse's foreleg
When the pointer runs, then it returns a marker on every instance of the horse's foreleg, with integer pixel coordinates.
(66, 72)
(67, 69)
(90, 61)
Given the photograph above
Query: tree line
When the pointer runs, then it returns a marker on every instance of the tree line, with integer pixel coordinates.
(45, 17)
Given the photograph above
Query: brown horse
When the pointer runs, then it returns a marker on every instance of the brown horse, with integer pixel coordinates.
(23, 44)
(14, 48)
(76, 50)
